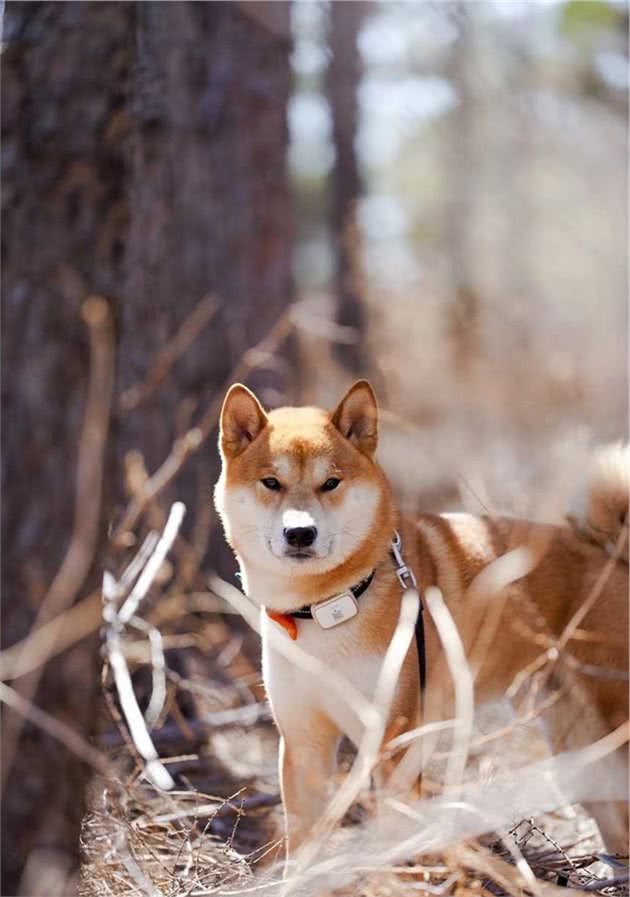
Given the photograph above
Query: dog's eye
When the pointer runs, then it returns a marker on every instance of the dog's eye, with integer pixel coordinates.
(330, 484)
(271, 483)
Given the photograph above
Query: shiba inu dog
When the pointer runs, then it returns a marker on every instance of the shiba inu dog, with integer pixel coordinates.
(310, 516)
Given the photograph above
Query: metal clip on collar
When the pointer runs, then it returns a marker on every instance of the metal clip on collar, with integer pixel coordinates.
(406, 577)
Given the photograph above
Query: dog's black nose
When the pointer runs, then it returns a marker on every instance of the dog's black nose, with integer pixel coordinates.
(300, 536)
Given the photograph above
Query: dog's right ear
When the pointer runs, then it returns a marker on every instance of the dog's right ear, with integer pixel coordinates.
(242, 419)
(356, 417)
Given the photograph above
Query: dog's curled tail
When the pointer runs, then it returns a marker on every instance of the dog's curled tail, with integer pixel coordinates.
(601, 513)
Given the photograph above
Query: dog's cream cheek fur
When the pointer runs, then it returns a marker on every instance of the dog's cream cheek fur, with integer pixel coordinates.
(352, 521)
(237, 509)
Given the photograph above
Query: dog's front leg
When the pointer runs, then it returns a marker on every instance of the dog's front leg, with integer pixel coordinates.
(308, 754)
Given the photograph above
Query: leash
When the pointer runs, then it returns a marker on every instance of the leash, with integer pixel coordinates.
(407, 580)
(344, 606)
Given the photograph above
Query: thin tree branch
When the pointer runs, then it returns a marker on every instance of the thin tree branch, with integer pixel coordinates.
(55, 727)
(194, 438)
(190, 329)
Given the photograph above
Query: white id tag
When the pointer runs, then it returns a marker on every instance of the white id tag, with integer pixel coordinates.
(336, 610)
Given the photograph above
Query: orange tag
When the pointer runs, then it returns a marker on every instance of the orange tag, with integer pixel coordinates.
(285, 621)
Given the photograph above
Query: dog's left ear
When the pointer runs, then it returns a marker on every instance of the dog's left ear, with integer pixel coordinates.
(242, 419)
(356, 417)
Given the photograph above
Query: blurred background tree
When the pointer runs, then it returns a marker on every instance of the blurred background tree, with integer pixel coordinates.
(491, 146)
(343, 79)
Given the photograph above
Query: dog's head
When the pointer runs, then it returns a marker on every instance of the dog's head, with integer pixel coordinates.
(299, 491)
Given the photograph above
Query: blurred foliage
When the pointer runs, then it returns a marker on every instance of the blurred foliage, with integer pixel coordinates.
(583, 18)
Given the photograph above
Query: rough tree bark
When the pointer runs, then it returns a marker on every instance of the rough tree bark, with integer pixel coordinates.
(65, 71)
(210, 214)
(144, 150)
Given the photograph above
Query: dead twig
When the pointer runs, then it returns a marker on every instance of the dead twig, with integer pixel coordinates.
(218, 809)
(158, 670)
(600, 883)
(153, 768)
(153, 564)
(131, 865)
(42, 644)
(112, 591)
(463, 683)
(239, 717)
(53, 726)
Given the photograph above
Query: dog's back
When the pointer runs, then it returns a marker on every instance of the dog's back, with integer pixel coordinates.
(543, 610)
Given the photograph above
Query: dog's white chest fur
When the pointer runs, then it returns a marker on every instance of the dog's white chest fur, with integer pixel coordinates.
(295, 694)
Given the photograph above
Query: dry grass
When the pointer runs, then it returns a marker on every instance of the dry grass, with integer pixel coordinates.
(138, 840)
(216, 832)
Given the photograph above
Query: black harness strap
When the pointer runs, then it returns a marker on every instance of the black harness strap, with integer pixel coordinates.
(407, 579)
(420, 645)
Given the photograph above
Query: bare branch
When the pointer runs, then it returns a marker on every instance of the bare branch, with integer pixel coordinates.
(155, 561)
(42, 644)
(190, 329)
(239, 717)
(462, 680)
(55, 727)
(153, 769)
(158, 670)
(152, 554)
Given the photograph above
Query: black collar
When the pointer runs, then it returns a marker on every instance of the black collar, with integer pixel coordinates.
(304, 613)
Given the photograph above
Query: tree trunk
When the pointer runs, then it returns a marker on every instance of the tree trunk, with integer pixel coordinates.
(210, 215)
(65, 73)
(344, 74)
(144, 150)
(464, 307)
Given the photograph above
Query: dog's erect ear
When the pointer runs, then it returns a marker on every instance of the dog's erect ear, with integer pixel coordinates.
(356, 417)
(242, 419)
